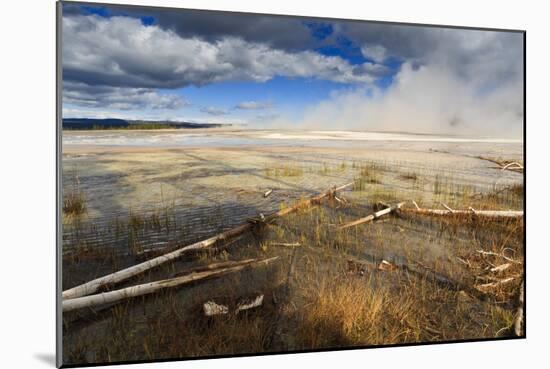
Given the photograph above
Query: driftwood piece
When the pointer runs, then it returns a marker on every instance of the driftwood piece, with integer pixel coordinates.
(481, 213)
(513, 166)
(268, 192)
(373, 216)
(124, 274)
(308, 202)
(490, 253)
(211, 266)
(488, 286)
(386, 265)
(286, 244)
(505, 165)
(500, 268)
(151, 287)
(250, 304)
(341, 200)
(211, 308)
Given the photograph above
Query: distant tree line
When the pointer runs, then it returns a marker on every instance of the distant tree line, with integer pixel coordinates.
(113, 123)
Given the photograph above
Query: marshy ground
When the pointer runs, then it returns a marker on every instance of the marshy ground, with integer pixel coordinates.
(125, 204)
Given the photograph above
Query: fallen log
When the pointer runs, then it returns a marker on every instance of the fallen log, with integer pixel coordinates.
(500, 268)
(513, 166)
(124, 274)
(488, 286)
(373, 216)
(386, 265)
(505, 164)
(212, 308)
(481, 213)
(211, 266)
(286, 244)
(308, 202)
(250, 304)
(151, 287)
(490, 253)
(268, 192)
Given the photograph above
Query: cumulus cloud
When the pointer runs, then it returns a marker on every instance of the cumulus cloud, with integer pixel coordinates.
(286, 33)
(254, 105)
(374, 52)
(489, 57)
(122, 52)
(122, 98)
(451, 81)
(212, 110)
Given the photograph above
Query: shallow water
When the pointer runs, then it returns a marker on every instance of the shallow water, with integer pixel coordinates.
(231, 138)
(199, 182)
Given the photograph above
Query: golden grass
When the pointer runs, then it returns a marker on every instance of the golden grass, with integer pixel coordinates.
(326, 306)
(342, 314)
(284, 171)
(74, 204)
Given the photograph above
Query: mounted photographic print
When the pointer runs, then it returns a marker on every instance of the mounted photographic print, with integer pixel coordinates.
(244, 184)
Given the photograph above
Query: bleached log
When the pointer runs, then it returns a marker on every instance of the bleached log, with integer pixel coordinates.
(483, 252)
(481, 213)
(373, 216)
(308, 202)
(124, 274)
(151, 287)
(268, 192)
(487, 286)
(211, 266)
(500, 268)
(513, 165)
(341, 200)
(286, 244)
(210, 308)
(246, 305)
(386, 265)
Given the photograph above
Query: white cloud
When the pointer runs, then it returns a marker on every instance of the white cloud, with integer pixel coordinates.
(212, 110)
(374, 52)
(121, 98)
(453, 82)
(254, 105)
(121, 51)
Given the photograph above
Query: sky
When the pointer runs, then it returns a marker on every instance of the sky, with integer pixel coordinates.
(289, 72)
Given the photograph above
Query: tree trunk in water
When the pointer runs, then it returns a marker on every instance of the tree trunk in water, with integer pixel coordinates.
(148, 288)
(373, 216)
(481, 213)
(124, 274)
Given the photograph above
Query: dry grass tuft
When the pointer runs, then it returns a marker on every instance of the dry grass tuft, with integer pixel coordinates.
(410, 176)
(346, 313)
(74, 204)
(284, 171)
